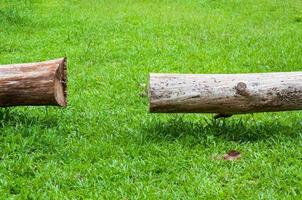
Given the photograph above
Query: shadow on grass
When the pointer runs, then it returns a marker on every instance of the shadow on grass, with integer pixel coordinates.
(237, 130)
(15, 117)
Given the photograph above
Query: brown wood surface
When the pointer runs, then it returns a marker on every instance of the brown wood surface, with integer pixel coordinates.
(225, 93)
(41, 83)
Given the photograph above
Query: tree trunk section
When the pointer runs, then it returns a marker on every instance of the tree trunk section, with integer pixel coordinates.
(42, 83)
(225, 93)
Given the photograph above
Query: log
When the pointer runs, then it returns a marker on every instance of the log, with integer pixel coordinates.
(41, 83)
(225, 94)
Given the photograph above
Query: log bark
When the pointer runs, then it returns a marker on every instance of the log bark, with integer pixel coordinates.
(225, 93)
(41, 83)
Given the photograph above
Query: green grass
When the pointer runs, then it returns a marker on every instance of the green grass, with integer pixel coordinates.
(105, 144)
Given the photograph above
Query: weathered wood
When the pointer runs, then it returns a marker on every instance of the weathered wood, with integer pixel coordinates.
(42, 83)
(225, 93)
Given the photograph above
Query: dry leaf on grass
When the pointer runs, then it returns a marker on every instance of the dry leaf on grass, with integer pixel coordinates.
(232, 155)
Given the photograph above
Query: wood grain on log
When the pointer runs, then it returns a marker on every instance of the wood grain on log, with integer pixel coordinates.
(225, 93)
(42, 83)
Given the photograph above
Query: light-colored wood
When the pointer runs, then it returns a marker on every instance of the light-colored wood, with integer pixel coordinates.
(42, 83)
(225, 93)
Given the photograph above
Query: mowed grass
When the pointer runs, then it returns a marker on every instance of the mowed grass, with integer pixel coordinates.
(105, 144)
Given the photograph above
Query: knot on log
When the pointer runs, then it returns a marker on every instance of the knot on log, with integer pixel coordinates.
(241, 89)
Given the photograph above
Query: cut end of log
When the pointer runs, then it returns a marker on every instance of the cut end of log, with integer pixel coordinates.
(60, 83)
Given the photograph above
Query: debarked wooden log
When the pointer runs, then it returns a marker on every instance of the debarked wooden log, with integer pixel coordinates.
(41, 83)
(225, 93)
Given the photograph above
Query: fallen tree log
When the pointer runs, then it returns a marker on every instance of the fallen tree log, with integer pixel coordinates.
(225, 93)
(42, 83)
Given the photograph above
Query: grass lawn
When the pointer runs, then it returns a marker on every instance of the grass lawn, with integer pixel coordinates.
(105, 144)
